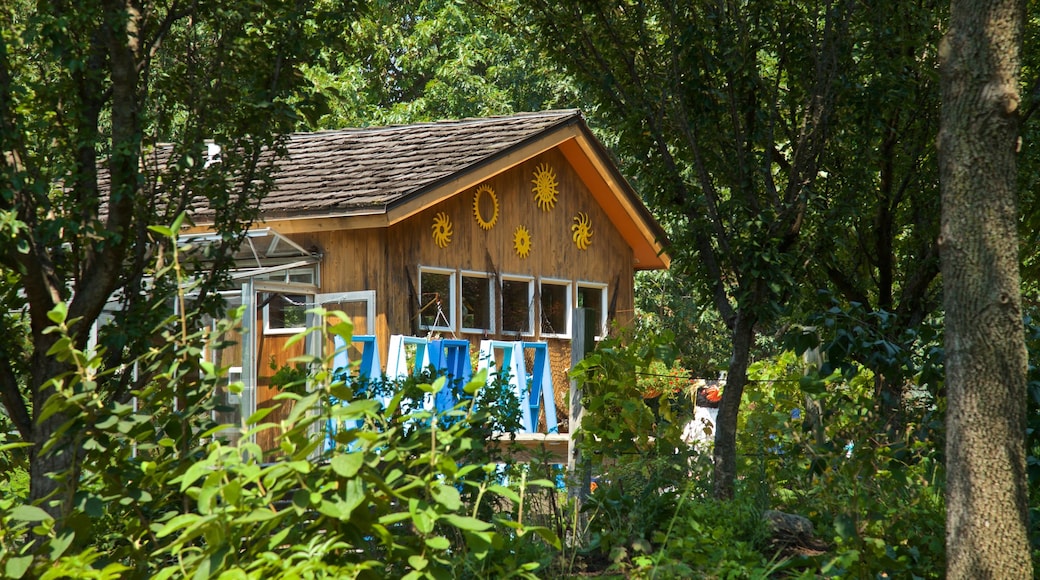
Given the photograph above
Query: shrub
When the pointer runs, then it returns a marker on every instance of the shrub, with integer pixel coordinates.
(162, 496)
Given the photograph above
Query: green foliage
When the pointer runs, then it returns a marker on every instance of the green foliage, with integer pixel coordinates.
(160, 494)
(810, 443)
(714, 539)
(876, 496)
(413, 494)
(666, 302)
(424, 60)
(1033, 427)
(618, 421)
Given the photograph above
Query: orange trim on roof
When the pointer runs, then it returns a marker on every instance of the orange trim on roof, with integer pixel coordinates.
(623, 211)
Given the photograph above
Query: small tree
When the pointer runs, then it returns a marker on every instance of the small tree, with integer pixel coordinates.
(88, 92)
(724, 111)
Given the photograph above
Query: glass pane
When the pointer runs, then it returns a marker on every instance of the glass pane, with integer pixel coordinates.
(286, 311)
(435, 300)
(302, 276)
(476, 302)
(592, 298)
(554, 309)
(516, 306)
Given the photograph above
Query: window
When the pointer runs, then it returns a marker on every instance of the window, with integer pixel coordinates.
(284, 297)
(436, 299)
(517, 311)
(555, 300)
(295, 275)
(476, 302)
(594, 297)
(284, 313)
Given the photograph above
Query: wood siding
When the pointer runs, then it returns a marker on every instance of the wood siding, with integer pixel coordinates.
(388, 260)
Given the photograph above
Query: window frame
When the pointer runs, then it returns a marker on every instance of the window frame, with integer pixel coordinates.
(451, 311)
(489, 280)
(530, 281)
(602, 287)
(568, 301)
(308, 299)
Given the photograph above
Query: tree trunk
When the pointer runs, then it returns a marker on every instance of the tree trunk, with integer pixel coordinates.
(987, 504)
(52, 480)
(725, 453)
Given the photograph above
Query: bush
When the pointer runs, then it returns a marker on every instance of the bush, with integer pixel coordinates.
(162, 496)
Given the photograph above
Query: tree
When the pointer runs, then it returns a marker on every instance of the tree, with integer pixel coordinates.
(422, 60)
(987, 503)
(88, 94)
(873, 240)
(724, 110)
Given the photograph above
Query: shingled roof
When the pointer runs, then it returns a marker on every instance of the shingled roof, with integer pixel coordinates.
(372, 169)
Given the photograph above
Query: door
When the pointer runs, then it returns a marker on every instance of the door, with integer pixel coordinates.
(360, 307)
(277, 312)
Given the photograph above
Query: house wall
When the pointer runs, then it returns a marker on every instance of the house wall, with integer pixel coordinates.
(389, 260)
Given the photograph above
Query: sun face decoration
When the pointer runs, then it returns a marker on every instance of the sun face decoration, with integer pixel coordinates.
(522, 241)
(441, 230)
(486, 195)
(545, 187)
(582, 231)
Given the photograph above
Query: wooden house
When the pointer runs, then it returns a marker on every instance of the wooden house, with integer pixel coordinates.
(491, 228)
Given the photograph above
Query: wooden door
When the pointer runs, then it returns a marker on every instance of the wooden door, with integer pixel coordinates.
(280, 315)
(360, 308)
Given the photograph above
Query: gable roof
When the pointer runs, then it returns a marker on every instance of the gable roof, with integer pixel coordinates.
(379, 167)
(379, 176)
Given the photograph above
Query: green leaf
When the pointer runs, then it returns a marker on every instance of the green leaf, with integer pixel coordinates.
(17, 567)
(61, 543)
(162, 231)
(360, 408)
(423, 522)
(476, 383)
(233, 574)
(59, 313)
(439, 543)
(347, 464)
(259, 415)
(177, 523)
(193, 473)
(29, 513)
(418, 562)
(466, 522)
(448, 497)
(258, 515)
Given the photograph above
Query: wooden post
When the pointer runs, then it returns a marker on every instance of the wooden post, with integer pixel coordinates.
(584, 341)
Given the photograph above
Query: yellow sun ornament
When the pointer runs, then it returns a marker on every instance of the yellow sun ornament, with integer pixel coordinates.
(582, 231)
(545, 187)
(482, 192)
(441, 230)
(522, 241)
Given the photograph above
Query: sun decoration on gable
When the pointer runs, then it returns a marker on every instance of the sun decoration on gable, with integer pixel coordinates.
(545, 186)
(522, 241)
(441, 230)
(482, 192)
(582, 231)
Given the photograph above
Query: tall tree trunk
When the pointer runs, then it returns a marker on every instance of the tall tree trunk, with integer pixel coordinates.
(987, 503)
(725, 452)
(52, 477)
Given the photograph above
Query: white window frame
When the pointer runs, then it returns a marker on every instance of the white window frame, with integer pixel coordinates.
(281, 284)
(530, 281)
(451, 314)
(489, 280)
(602, 330)
(307, 292)
(568, 302)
